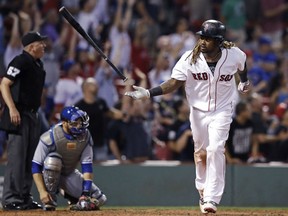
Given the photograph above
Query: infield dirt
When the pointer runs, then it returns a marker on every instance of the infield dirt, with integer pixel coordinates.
(148, 212)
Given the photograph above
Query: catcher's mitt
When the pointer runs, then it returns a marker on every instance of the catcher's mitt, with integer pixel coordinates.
(85, 203)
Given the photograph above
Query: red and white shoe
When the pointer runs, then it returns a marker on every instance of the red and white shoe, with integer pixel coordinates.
(210, 207)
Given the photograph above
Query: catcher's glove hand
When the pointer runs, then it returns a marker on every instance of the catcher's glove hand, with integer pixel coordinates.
(85, 203)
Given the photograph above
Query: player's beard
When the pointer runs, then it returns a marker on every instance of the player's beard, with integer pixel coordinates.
(204, 49)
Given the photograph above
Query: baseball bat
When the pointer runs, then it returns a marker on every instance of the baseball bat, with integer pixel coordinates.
(69, 17)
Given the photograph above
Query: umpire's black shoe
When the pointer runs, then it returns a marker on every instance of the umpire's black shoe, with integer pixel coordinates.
(33, 205)
(13, 207)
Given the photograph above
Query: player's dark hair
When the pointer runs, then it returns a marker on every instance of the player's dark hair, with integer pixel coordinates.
(196, 51)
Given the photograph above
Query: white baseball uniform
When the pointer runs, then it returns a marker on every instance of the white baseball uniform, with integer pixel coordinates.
(211, 99)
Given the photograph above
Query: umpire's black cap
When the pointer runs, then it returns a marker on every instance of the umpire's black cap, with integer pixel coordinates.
(31, 37)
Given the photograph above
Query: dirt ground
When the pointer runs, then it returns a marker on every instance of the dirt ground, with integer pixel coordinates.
(148, 212)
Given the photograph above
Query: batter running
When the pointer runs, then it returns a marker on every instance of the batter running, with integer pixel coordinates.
(207, 72)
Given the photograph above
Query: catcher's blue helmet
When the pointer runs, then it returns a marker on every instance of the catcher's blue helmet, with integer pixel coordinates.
(213, 28)
(72, 115)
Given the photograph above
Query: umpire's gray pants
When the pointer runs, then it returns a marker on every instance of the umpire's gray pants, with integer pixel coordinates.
(20, 151)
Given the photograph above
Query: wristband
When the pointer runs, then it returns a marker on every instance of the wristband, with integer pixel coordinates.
(243, 75)
(86, 186)
(155, 91)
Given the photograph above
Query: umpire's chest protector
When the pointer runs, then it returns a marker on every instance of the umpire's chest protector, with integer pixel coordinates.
(205, 91)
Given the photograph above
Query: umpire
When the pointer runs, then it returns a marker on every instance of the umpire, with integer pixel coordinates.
(21, 89)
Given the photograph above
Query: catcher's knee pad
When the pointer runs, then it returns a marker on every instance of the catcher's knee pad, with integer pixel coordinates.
(52, 172)
(100, 197)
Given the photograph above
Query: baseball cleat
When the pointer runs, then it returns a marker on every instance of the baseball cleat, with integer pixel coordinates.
(210, 207)
(49, 207)
(201, 205)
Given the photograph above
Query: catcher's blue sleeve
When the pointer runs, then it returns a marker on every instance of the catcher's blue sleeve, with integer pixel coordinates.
(36, 168)
(87, 168)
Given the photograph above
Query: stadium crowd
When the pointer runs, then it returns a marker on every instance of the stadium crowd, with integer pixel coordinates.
(144, 39)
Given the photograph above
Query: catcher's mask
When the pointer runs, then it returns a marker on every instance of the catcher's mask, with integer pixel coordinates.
(213, 29)
(78, 120)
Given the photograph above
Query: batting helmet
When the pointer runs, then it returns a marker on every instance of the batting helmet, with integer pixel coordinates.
(213, 29)
(72, 114)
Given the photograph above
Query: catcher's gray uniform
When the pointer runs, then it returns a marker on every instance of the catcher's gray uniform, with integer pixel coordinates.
(72, 152)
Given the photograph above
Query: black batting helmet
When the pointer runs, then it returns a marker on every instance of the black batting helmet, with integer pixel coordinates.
(213, 28)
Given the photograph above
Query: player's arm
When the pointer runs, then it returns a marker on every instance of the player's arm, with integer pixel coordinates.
(165, 88)
(244, 84)
(37, 168)
(44, 195)
(5, 90)
(243, 74)
(7, 97)
(87, 179)
(87, 168)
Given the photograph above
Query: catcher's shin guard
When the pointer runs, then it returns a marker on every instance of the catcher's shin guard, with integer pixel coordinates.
(100, 197)
(51, 176)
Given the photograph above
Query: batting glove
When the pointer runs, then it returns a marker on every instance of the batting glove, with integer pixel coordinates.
(139, 93)
(244, 87)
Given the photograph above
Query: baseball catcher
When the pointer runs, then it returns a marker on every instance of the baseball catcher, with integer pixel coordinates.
(55, 161)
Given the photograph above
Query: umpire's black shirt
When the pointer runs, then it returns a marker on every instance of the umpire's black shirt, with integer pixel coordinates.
(28, 76)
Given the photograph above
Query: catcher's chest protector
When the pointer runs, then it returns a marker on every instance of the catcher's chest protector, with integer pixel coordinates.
(69, 149)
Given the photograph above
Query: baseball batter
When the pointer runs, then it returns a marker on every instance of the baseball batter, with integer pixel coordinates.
(208, 74)
(55, 161)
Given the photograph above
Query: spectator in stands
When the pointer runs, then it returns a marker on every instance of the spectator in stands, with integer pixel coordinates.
(120, 39)
(49, 26)
(2, 44)
(140, 56)
(87, 18)
(151, 13)
(179, 133)
(71, 5)
(182, 39)
(130, 139)
(55, 50)
(199, 11)
(100, 114)
(68, 88)
(279, 97)
(271, 22)
(281, 149)
(105, 77)
(14, 46)
(233, 13)
(264, 66)
(161, 72)
(264, 131)
(241, 137)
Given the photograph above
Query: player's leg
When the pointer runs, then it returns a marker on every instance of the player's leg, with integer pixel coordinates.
(51, 176)
(200, 136)
(72, 187)
(218, 131)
